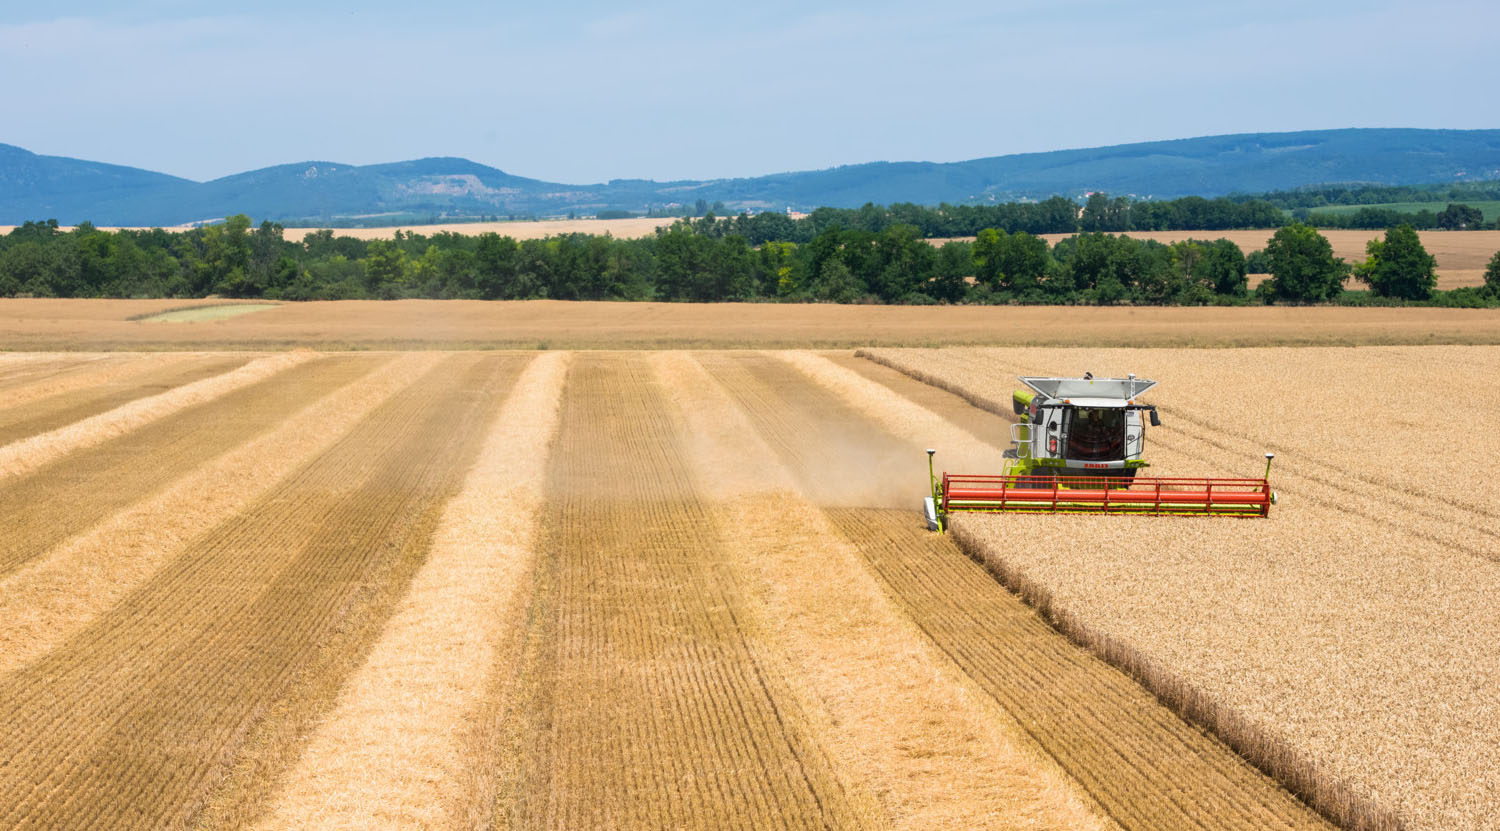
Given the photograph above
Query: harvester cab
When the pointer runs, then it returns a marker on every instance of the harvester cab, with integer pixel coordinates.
(1077, 448)
(1079, 427)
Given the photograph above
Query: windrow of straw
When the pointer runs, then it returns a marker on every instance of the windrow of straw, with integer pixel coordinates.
(392, 753)
(106, 390)
(25, 378)
(226, 657)
(59, 593)
(70, 495)
(31, 453)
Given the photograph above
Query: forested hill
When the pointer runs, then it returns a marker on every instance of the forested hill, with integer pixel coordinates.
(34, 187)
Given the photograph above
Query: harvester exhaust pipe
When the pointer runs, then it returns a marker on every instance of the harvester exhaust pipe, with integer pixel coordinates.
(929, 505)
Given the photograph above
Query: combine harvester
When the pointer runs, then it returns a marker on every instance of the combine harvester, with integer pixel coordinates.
(1077, 450)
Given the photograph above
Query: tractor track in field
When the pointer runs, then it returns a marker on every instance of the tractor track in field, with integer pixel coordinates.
(652, 704)
(52, 503)
(241, 640)
(28, 419)
(1145, 766)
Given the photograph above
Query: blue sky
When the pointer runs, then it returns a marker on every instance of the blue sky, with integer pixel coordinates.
(583, 92)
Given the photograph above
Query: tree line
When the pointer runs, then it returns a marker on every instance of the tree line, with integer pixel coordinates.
(704, 260)
(1057, 215)
(1321, 196)
(1099, 213)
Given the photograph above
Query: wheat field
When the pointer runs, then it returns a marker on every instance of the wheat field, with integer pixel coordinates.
(93, 328)
(1347, 641)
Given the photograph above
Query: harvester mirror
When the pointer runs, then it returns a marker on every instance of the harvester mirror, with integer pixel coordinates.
(1155, 419)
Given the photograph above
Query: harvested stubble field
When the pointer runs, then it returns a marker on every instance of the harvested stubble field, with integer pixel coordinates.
(1347, 642)
(541, 590)
(94, 325)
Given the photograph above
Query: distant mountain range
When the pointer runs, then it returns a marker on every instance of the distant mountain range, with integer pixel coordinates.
(34, 187)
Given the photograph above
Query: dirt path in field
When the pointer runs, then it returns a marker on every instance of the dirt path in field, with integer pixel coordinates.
(227, 656)
(656, 704)
(1143, 765)
(20, 420)
(57, 500)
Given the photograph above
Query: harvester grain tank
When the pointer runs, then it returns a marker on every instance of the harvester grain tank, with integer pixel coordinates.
(1078, 448)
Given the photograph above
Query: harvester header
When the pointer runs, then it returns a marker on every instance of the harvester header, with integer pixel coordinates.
(1077, 448)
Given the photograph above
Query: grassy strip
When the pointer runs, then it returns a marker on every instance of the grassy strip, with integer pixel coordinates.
(202, 312)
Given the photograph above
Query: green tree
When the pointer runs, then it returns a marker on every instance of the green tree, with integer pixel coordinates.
(496, 268)
(1303, 268)
(1101, 213)
(987, 256)
(778, 267)
(1399, 266)
(386, 270)
(30, 267)
(1217, 267)
(1492, 276)
(1013, 265)
(1054, 215)
(225, 263)
(702, 269)
(904, 262)
(955, 263)
(1460, 217)
(837, 283)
